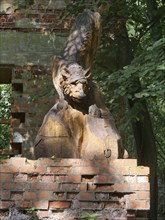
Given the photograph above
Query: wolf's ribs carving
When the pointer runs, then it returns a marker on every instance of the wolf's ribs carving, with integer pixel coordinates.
(83, 40)
(79, 124)
(72, 70)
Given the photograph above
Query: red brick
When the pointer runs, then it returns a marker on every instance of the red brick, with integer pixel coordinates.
(101, 162)
(86, 196)
(105, 188)
(140, 170)
(9, 186)
(71, 196)
(140, 186)
(123, 162)
(16, 195)
(42, 204)
(66, 162)
(85, 170)
(130, 179)
(138, 205)
(21, 186)
(59, 205)
(20, 177)
(128, 162)
(18, 161)
(29, 195)
(5, 177)
(24, 204)
(44, 195)
(122, 170)
(45, 186)
(83, 186)
(131, 196)
(87, 163)
(91, 205)
(101, 179)
(122, 187)
(47, 178)
(142, 179)
(102, 196)
(4, 195)
(116, 178)
(73, 179)
(70, 187)
(60, 178)
(6, 204)
(32, 169)
(143, 195)
(45, 162)
(9, 169)
(105, 179)
(58, 170)
(42, 214)
(107, 170)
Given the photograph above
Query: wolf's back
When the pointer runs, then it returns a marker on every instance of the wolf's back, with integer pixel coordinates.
(83, 40)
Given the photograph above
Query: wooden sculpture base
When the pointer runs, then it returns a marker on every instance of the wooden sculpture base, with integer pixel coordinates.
(67, 133)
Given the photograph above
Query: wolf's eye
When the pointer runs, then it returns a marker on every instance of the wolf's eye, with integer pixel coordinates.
(84, 85)
(74, 83)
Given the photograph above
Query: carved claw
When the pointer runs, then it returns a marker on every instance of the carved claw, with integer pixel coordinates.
(94, 111)
(107, 153)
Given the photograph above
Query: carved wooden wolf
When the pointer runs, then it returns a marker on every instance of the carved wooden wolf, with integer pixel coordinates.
(83, 39)
(74, 84)
(72, 70)
(85, 128)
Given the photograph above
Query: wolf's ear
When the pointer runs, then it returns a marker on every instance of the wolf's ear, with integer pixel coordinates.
(87, 72)
(65, 73)
(56, 63)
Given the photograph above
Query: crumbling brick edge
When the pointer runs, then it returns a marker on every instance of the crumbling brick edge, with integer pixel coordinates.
(114, 189)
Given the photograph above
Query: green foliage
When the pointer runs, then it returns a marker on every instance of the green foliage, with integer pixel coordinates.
(4, 136)
(5, 102)
(89, 216)
(148, 65)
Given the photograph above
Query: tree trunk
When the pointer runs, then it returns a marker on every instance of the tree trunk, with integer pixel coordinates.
(146, 151)
(154, 19)
(142, 128)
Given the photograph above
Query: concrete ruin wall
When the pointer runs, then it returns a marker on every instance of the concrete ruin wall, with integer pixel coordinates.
(29, 38)
(65, 188)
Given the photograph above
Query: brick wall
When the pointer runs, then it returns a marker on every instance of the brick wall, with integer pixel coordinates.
(33, 94)
(161, 197)
(29, 37)
(65, 188)
(32, 34)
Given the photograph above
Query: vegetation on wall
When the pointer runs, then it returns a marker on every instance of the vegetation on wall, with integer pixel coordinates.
(5, 103)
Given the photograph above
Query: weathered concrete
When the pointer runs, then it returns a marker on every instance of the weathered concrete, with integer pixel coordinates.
(34, 48)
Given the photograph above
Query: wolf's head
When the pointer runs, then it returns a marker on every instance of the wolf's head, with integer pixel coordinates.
(70, 79)
(74, 81)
